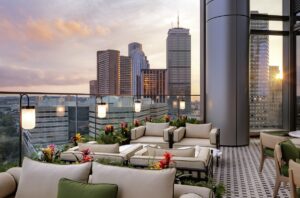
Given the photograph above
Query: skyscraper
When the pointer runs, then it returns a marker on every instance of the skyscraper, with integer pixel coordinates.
(259, 75)
(179, 65)
(108, 64)
(275, 98)
(125, 77)
(94, 87)
(154, 84)
(139, 62)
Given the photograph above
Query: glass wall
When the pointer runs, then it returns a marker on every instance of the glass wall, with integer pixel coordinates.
(267, 61)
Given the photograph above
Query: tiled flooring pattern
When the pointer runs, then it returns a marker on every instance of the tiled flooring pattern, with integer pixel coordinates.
(238, 171)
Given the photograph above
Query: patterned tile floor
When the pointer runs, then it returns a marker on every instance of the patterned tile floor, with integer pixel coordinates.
(238, 171)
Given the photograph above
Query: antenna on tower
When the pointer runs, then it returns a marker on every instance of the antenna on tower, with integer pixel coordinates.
(177, 19)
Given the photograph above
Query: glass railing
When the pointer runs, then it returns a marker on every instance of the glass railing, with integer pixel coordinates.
(60, 116)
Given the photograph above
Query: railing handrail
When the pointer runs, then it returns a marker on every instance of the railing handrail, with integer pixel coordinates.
(78, 94)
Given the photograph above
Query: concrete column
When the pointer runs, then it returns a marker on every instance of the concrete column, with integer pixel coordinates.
(227, 60)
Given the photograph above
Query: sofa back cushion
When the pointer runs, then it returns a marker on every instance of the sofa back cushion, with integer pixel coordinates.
(198, 130)
(155, 129)
(73, 189)
(186, 152)
(41, 179)
(99, 148)
(136, 182)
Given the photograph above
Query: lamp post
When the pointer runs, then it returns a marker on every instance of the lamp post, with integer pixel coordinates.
(27, 121)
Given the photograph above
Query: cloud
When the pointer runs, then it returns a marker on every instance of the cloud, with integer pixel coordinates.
(19, 76)
(46, 31)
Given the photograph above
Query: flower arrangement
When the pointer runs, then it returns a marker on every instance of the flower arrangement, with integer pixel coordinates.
(164, 163)
(109, 136)
(167, 118)
(50, 153)
(77, 138)
(86, 156)
(124, 127)
(148, 119)
(136, 123)
(108, 129)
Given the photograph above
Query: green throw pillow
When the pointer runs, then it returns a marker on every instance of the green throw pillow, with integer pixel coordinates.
(68, 188)
(289, 151)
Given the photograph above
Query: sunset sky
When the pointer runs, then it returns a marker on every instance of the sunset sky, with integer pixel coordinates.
(51, 46)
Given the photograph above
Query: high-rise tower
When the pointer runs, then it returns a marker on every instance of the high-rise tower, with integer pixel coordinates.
(179, 65)
(139, 62)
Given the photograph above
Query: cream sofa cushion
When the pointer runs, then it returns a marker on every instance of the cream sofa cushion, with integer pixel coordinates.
(187, 152)
(136, 182)
(155, 129)
(41, 179)
(198, 130)
(190, 195)
(99, 148)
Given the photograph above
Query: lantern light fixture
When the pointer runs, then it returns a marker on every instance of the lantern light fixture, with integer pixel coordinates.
(137, 106)
(182, 104)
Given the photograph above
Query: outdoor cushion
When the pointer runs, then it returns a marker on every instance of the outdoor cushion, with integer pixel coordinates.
(155, 129)
(190, 195)
(269, 152)
(289, 151)
(99, 148)
(136, 182)
(68, 188)
(198, 130)
(193, 142)
(187, 152)
(39, 179)
(151, 140)
(285, 170)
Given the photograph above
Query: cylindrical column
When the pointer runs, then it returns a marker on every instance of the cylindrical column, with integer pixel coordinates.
(227, 40)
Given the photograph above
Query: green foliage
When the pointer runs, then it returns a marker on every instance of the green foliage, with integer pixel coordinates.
(113, 163)
(111, 138)
(5, 166)
(183, 120)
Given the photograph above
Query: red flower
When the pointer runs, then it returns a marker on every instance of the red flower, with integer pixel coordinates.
(162, 164)
(136, 123)
(86, 151)
(108, 129)
(168, 156)
(123, 125)
(86, 158)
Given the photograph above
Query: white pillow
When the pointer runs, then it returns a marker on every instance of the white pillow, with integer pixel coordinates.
(198, 130)
(155, 129)
(136, 182)
(99, 148)
(41, 179)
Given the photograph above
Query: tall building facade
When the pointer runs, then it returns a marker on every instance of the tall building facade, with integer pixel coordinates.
(108, 64)
(154, 84)
(179, 66)
(259, 76)
(275, 98)
(139, 62)
(125, 76)
(94, 87)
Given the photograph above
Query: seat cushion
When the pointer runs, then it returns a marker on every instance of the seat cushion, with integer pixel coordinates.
(69, 188)
(289, 151)
(99, 148)
(198, 130)
(151, 140)
(190, 195)
(187, 152)
(285, 170)
(155, 129)
(269, 152)
(136, 182)
(193, 142)
(39, 179)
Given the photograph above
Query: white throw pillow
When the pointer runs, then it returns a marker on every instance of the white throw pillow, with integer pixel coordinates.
(198, 130)
(136, 182)
(41, 179)
(155, 129)
(99, 148)
(187, 152)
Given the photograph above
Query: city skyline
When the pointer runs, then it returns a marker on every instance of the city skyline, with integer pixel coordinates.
(56, 52)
